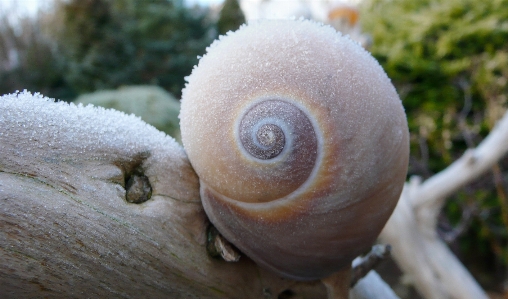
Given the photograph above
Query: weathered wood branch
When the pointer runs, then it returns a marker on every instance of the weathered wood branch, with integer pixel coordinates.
(67, 229)
(435, 270)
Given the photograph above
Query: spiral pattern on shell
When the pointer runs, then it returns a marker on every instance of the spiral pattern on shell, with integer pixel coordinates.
(277, 133)
(300, 143)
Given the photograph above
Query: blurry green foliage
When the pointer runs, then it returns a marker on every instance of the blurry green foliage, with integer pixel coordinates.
(82, 46)
(449, 61)
(438, 53)
(28, 59)
(110, 43)
(231, 17)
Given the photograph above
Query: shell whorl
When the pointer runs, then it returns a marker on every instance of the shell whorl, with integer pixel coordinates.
(300, 142)
(261, 134)
(278, 133)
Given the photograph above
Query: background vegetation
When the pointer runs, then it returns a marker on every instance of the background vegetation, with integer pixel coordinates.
(449, 62)
(231, 17)
(87, 45)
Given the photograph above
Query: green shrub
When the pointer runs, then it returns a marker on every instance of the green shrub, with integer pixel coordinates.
(110, 43)
(449, 62)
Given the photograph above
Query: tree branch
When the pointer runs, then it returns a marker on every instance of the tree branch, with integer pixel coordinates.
(69, 228)
(431, 195)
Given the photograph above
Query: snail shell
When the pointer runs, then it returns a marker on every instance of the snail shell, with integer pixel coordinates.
(300, 143)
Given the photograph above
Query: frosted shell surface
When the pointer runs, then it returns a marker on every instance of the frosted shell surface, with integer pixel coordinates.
(302, 216)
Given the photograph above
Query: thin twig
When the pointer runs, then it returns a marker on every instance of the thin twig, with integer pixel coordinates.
(449, 234)
(468, 104)
(362, 265)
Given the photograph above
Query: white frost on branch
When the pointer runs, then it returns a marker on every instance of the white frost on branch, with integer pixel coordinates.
(44, 129)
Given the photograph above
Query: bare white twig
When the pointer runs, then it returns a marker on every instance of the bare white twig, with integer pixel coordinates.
(411, 230)
(433, 192)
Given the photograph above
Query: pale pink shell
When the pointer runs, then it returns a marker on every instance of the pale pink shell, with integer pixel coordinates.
(303, 216)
